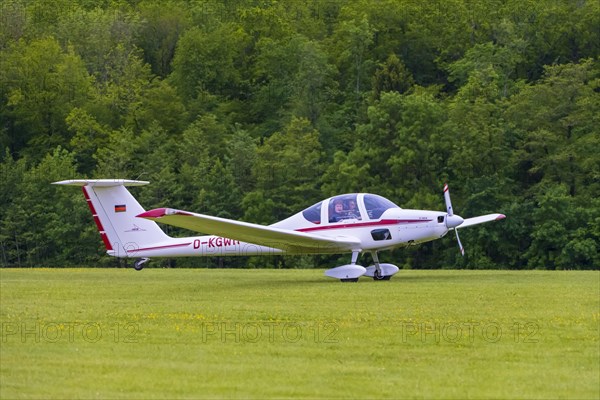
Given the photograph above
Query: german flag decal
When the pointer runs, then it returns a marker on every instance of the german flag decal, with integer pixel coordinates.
(120, 208)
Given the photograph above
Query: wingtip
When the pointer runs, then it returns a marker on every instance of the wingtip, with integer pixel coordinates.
(152, 214)
(161, 212)
(500, 216)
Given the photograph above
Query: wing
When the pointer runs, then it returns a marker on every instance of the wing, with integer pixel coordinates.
(285, 239)
(480, 220)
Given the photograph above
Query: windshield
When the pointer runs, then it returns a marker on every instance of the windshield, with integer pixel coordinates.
(377, 205)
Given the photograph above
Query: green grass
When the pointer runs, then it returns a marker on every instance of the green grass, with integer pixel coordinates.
(101, 333)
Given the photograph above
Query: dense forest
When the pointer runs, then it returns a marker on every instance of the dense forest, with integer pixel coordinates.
(257, 109)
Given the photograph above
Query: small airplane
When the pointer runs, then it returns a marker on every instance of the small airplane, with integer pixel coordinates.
(355, 223)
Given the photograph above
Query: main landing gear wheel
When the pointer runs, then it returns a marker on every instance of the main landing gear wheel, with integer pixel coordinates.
(377, 276)
(381, 271)
(138, 265)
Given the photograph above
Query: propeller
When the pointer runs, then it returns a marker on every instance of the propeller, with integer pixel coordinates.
(452, 221)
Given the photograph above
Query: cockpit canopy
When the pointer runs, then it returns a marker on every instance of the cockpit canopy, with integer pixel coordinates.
(347, 207)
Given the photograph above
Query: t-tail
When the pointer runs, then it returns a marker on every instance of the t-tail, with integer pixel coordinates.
(114, 210)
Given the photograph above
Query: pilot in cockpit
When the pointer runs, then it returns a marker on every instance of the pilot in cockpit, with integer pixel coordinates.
(338, 211)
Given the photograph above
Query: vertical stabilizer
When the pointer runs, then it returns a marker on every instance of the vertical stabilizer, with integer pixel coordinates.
(114, 210)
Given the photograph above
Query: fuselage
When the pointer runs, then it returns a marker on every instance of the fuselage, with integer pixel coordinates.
(377, 223)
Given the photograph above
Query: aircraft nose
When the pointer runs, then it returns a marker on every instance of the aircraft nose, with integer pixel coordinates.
(452, 221)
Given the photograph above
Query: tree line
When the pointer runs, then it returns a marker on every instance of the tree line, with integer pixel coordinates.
(255, 110)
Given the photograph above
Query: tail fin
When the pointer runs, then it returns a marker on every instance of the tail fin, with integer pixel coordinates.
(114, 210)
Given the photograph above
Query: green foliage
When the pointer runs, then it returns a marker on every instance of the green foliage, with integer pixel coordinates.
(36, 230)
(392, 76)
(209, 63)
(563, 238)
(256, 110)
(287, 174)
(40, 83)
(164, 22)
(557, 121)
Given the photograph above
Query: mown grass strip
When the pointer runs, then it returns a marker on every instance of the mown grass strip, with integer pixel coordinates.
(101, 333)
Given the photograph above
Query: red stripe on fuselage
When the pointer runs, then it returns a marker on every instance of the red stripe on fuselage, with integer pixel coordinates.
(364, 224)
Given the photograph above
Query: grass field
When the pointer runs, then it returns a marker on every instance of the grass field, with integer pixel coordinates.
(106, 333)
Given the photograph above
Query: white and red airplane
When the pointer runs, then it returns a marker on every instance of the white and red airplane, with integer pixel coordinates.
(355, 223)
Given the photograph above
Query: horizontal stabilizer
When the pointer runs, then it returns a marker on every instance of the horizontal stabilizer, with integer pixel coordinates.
(101, 182)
